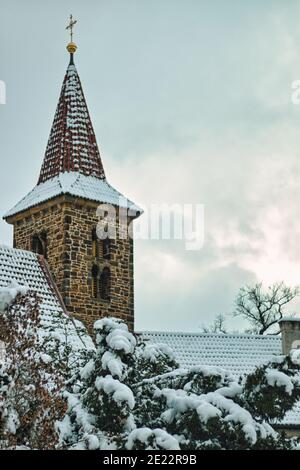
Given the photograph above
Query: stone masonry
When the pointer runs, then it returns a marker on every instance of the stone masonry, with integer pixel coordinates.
(68, 223)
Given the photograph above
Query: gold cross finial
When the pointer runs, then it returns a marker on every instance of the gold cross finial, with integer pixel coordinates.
(71, 47)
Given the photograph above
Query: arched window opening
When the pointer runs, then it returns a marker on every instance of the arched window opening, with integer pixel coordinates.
(39, 244)
(95, 245)
(106, 249)
(95, 272)
(105, 284)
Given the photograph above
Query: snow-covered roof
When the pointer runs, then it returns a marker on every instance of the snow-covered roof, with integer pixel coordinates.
(72, 164)
(73, 184)
(25, 268)
(238, 354)
(28, 269)
(72, 143)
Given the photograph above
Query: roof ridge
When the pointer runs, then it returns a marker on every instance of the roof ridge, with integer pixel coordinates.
(66, 184)
(52, 285)
(220, 335)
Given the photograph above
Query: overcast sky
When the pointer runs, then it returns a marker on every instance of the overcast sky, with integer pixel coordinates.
(191, 103)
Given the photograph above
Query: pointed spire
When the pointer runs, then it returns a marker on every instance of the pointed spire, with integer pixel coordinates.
(72, 143)
(72, 164)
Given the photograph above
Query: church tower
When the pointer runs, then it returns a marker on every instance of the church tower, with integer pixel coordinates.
(60, 216)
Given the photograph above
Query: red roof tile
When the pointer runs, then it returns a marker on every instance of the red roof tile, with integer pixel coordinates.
(72, 143)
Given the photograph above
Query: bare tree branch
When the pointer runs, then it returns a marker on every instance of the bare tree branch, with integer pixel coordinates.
(264, 308)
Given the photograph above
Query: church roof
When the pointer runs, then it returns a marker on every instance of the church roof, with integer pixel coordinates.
(238, 354)
(72, 143)
(73, 184)
(72, 164)
(31, 270)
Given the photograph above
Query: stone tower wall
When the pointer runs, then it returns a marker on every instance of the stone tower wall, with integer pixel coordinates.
(68, 223)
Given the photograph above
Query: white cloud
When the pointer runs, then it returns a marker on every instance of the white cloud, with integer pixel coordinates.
(251, 194)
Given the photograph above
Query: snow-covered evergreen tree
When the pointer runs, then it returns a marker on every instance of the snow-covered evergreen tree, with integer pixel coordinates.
(101, 405)
(132, 395)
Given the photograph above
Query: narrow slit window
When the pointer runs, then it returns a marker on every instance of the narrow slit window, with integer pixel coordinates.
(106, 249)
(95, 246)
(105, 284)
(95, 272)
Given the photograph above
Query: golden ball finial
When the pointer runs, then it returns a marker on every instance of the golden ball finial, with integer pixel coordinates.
(71, 47)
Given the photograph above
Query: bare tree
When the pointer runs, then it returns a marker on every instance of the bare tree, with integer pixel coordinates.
(264, 308)
(217, 326)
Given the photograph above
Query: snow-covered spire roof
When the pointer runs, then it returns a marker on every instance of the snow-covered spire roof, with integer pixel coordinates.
(72, 164)
(72, 143)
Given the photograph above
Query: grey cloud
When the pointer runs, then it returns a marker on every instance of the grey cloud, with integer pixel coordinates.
(190, 103)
